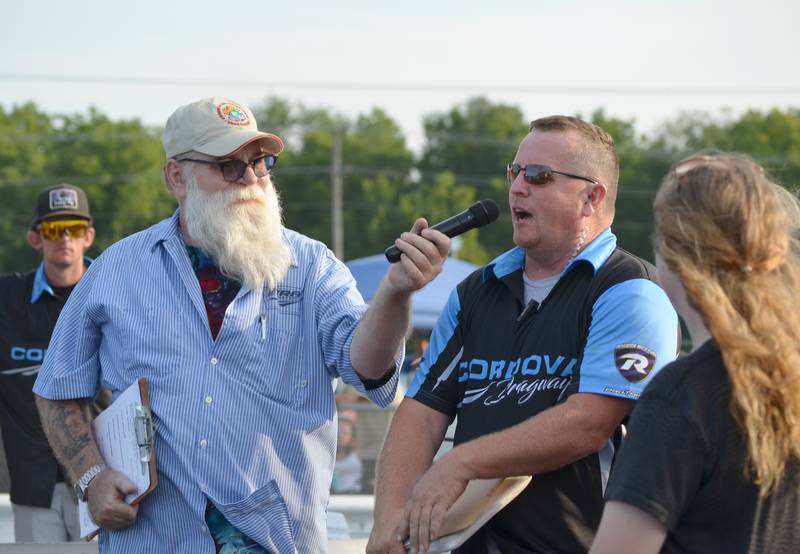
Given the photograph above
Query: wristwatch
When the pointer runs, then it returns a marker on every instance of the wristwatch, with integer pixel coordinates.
(83, 483)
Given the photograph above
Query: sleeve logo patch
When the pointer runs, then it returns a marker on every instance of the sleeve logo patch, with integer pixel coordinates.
(634, 361)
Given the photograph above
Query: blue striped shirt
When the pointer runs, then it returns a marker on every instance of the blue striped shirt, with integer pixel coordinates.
(246, 420)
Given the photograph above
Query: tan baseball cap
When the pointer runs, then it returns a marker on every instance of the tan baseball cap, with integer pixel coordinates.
(216, 127)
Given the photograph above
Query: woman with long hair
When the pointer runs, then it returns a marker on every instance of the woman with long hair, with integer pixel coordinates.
(710, 463)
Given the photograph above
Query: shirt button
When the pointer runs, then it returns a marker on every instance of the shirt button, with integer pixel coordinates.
(303, 383)
(204, 529)
(208, 400)
(214, 360)
(203, 443)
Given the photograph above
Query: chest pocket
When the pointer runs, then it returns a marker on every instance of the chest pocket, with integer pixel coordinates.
(275, 367)
(142, 339)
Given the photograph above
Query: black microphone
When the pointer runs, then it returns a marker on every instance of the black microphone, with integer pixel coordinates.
(479, 214)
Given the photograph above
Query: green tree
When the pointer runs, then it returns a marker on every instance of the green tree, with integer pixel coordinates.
(375, 165)
(771, 137)
(435, 201)
(24, 134)
(642, 164)
(474, 142)
(117, 163)
(463, 159)
(476, 139)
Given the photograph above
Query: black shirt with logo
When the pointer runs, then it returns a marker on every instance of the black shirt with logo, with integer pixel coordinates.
(25, 331)
(605, 328)
(683, 462)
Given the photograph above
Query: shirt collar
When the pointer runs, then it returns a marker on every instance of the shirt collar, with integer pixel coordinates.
(166, 230)
(40, 284)
(595, 254)
(504, 264)
(170, 229)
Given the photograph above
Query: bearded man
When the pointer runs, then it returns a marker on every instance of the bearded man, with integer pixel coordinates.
(240, 326)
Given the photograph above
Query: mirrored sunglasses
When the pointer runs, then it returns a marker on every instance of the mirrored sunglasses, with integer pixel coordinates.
(537, 174)
(233, 170)
(72, 228)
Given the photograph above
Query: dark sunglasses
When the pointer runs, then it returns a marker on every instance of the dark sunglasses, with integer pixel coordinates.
(233, 170)
(536, 174)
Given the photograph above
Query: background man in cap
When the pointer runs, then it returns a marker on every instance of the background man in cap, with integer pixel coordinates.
(44, 510)
(240, 327)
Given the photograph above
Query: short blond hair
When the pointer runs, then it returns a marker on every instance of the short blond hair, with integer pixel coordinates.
(598, 157)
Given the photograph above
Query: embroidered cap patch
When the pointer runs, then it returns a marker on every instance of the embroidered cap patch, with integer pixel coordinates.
(61, 199)
(634, 361)
(232, 114)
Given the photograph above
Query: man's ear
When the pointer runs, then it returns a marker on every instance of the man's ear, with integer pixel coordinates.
(35, 240)
(173, 176)
(594, 199)
(89, 238)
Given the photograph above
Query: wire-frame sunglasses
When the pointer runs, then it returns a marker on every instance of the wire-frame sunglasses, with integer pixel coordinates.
(537, 174)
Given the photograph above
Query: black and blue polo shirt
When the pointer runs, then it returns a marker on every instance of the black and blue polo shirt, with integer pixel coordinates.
(29, 308)
(606, 328)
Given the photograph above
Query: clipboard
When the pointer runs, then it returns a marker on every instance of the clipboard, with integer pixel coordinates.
(125, 436)
(479, 502)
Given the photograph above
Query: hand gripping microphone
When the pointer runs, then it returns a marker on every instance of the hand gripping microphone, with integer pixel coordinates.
(479, 214)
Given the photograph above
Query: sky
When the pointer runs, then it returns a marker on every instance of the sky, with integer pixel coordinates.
(642, 59)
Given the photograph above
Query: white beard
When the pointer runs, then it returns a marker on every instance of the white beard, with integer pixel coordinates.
(244, 239)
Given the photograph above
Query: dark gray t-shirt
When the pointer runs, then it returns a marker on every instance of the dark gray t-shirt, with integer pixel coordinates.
(683, 463)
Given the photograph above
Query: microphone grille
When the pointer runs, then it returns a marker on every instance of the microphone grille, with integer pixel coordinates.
(484, 211)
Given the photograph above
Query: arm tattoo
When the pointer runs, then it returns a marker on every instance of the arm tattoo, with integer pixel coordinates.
(68, 429)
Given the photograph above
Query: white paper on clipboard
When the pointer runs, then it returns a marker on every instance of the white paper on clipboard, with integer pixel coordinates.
(124, 436)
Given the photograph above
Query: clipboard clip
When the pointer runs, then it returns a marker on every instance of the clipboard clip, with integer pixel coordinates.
(143, 426)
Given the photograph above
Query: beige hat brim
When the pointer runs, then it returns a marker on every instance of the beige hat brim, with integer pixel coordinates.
(231, 142)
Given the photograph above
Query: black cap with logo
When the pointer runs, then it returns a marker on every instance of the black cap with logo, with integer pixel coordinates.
(61, 202)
